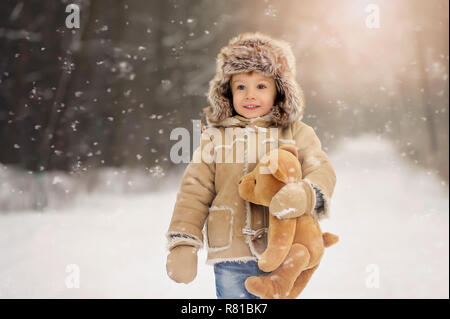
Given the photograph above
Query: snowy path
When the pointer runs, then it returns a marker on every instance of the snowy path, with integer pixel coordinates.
(391, 218)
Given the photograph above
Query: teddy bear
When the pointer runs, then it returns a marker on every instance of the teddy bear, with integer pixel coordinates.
(295, 246)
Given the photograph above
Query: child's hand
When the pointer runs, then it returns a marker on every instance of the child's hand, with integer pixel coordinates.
(293, 200)
(181, 264)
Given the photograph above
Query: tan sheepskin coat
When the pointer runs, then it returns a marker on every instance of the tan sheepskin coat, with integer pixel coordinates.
(208, 210)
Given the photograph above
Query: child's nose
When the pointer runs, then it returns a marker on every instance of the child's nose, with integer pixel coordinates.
(250, 93)
(250, 96)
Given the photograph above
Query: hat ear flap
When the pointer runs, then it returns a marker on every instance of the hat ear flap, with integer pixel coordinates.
(219, 98)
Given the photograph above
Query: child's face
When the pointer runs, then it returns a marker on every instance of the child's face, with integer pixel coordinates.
(253, 89)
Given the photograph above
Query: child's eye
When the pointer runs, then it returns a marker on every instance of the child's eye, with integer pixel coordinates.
(261, 86)
(240, 87)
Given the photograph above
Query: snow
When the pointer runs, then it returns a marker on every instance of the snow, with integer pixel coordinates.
(285, 211)
(391, 217)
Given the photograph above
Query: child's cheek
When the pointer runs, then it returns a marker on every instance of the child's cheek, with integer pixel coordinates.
(236, 98)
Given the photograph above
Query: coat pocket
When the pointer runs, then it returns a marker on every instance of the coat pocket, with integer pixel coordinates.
(220, 227)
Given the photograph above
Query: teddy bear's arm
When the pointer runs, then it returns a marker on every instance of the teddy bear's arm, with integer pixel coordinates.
(196, 194)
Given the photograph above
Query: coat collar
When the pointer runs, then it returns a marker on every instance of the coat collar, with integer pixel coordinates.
(240, 121)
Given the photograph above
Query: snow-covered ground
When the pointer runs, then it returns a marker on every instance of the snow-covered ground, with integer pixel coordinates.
(392, 219)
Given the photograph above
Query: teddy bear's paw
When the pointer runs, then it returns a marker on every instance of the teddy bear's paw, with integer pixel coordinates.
(268, 264)
(268, 287)
(255, 286)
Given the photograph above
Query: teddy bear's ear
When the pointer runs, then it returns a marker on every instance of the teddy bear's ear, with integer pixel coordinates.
(284, 169)
(275, 170)
(290, 148)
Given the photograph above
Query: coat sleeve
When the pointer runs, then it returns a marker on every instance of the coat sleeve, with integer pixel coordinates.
(312, 194)
(316, 168)
(194, 197)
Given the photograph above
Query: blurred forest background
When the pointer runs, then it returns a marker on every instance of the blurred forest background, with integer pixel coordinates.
(109, 93)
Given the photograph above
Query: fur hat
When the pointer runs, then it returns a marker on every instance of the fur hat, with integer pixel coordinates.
(256, 52)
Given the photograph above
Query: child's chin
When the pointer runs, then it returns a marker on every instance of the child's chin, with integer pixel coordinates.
(252, 113)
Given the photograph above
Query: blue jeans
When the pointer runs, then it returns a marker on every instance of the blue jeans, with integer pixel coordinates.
(231, 276)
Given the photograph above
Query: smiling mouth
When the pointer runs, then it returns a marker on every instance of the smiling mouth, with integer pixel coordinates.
(251, 106)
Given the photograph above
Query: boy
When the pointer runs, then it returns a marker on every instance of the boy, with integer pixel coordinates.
(255, 93)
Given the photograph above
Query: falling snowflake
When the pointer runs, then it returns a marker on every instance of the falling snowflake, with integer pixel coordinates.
(124, 68)
(166, 84)
(73, 125)
(156, 171)
(56, 180)
(68, 66)
(102, 29)
(271, 11)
